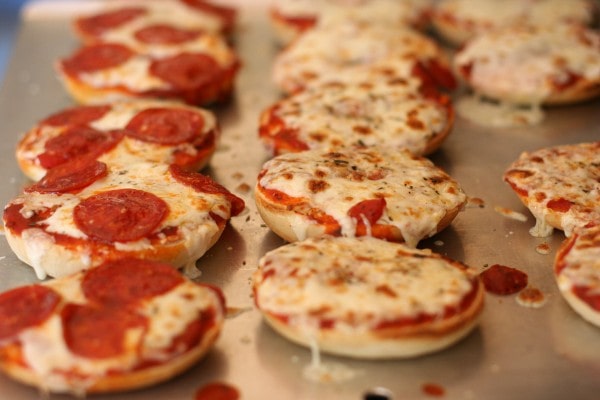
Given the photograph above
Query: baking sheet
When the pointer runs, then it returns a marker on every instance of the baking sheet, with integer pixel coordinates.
(517, 352)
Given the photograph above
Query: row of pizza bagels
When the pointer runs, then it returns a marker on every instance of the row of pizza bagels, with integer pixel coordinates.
(362, 107)
(117, 203)
(348, 186)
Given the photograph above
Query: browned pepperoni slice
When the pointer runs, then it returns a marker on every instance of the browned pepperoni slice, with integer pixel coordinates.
(187, 71)
(205, 184)
(76, 142)
(70, 176)
(165, 34)
(25, 307)
(165, 125)
(129, 280)
(97, 24)
(96, 58)
(81, 115)
(120, 215)
(503, 280)
(99, 332)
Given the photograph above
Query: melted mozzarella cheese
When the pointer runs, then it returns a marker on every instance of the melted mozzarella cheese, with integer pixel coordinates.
(358, 283)
(363, 112)
(132, 74)
(171, 313)
(502, 114)
(417, 194)
(46, 353)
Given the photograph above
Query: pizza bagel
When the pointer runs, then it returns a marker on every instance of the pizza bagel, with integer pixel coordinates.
(458, 21)
(350, 49)
(121, 133)
(85, 212)
(366, 298)
(356, 191)
(114, 18)
(124, 325)
(559, 186)
(198, 69)
(533, 65)
(577, 272)
(291, 19)
(360, 113)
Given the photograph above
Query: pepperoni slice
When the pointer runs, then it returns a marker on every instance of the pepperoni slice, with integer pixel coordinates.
(96, 58)
(371, 210)
(205, 184)
(25, 307)
(76, 142)
(187, 71)
(503, 280)
(588, 295)
(98, 24)
(70, 176)
(434, 74)
(559, 205)
(99, 332)
(124, 281)
(81, 115)
(120, 215)
(166, 125)
(165, 34)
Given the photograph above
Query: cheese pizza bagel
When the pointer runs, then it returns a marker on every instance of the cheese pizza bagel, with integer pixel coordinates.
(577, 272)
(559, 185)
(349, 50)
(458, 21)
(356, 191)
(290, 19)
(533, 65)
(366, 298)
(394, 113)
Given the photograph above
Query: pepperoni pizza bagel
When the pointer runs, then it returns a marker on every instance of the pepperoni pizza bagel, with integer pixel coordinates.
(458, 21)
(577, 272)
(121, 134)
(349, 50)
(127, 15)
(156, 61)
(363, 112)
(84, 212)
(356, 191)
(292, 18)
(559, 185)
(367, 298)
(124, 325)
(533, 65)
